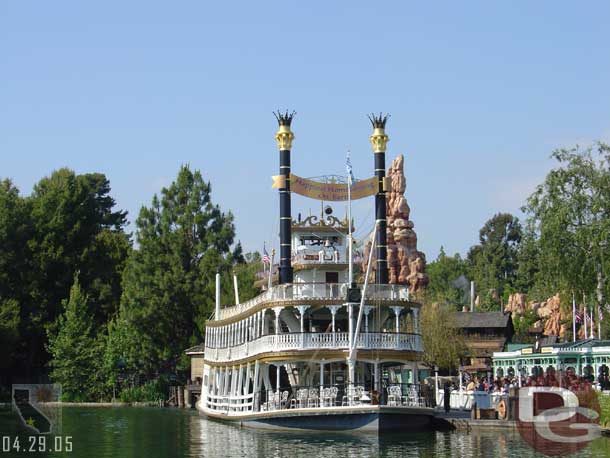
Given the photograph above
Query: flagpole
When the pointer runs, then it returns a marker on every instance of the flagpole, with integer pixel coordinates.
(599, 322)
(591, 334)
(584, 307)
(573, 317)
(350, 242)
(271, 268)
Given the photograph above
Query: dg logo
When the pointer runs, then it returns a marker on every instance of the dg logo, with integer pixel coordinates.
(557, 421)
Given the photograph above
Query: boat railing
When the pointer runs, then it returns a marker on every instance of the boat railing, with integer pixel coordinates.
(230, 404)
(316, 341)
(327, 396)
(316, 291)
(466, 399)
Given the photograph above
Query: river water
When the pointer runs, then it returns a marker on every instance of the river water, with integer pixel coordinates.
(155, 432)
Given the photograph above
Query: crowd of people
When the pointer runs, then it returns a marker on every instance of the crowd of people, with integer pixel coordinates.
(566, 379)
(582, 386)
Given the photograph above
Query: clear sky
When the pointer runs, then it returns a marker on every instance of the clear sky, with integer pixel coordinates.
(480, 93)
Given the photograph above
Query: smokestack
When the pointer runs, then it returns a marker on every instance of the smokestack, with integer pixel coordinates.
(284, 137)
(471, 296)
(379, 140)
(235, 288)
(217, 314)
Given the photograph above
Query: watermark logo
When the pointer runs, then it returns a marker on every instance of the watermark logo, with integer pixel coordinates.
(556, 420)
(38, 406)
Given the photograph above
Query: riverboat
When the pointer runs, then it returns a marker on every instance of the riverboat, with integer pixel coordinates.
(315, 350)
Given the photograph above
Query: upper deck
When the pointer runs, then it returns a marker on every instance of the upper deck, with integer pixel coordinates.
(314, 294)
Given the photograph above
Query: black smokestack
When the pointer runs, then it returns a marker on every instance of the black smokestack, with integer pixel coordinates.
(379, 141)
(284, 137)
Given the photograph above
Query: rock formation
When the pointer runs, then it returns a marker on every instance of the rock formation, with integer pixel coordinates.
(406, 265)
(516, 305)
(549, 314)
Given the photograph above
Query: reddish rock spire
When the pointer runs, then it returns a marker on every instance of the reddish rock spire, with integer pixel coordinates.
(406, 265)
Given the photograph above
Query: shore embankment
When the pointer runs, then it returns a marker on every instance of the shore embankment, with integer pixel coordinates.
(96, 404)
(462, 421)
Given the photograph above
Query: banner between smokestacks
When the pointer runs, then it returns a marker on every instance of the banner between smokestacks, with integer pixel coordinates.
(330, 192)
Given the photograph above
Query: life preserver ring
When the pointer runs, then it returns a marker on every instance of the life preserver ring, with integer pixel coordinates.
(502, 410)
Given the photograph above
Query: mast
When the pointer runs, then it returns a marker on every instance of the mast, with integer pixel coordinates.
(351, 359)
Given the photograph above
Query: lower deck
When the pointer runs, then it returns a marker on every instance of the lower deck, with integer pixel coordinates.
(318, 394)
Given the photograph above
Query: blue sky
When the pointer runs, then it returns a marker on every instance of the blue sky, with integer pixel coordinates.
(480, 93)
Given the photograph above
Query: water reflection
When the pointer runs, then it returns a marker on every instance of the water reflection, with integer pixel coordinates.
(221, 440)
(153, 432)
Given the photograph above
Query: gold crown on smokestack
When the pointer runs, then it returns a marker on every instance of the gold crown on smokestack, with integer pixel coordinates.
(284, 135)
(379, 139)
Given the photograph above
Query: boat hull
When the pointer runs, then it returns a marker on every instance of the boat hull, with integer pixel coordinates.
(373, 419)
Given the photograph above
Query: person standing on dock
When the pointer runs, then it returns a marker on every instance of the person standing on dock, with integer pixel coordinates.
(447, 397)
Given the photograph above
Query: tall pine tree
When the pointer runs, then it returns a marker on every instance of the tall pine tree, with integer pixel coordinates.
(183, 239)
(75, 350)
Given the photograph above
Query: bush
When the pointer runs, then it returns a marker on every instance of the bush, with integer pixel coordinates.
(152, 391)
(604, 404)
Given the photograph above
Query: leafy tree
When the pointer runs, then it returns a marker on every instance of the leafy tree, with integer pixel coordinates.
(493, 262)
(14, 231)
(9, 330)
(444, 345)
(570, 214)
(76, 229)
(522, 326)
(116, 359)
(246, 275)
(528, 259)
(75, 349)
(169, 280)
(448, 282)
(66, 225)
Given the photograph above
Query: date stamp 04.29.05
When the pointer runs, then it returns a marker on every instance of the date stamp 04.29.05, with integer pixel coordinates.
(38, 408)
(36, 444)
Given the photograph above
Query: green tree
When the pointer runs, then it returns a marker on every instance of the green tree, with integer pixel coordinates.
(74, 227)
(522, 326)
(528, 259)
(444, 345)
(75, 350)
(493, 262)
(14, 232)
(570, 214)
(247, 275)
(169, 281)
(448, 282)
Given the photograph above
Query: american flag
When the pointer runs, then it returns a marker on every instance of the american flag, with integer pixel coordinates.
(266, 258)
(578, 317)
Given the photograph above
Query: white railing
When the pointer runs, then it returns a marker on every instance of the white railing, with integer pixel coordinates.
(331, 292)
(314, 341)
(335, 397)
(465, 400)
